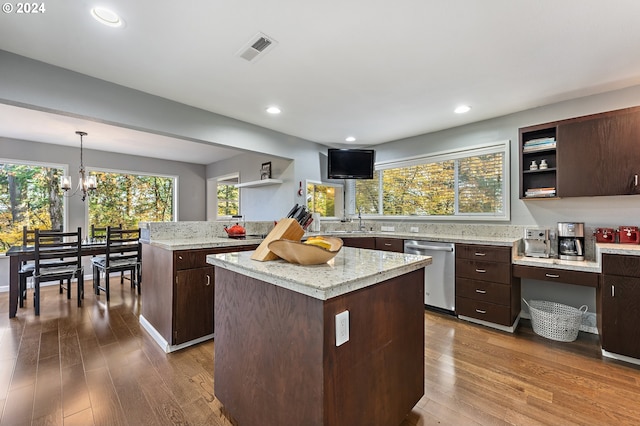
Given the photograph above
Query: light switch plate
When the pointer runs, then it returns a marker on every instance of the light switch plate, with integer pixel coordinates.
(414, 229)
(387, 228)
(342, 328)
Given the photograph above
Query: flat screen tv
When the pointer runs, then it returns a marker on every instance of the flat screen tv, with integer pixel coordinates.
(350, 163)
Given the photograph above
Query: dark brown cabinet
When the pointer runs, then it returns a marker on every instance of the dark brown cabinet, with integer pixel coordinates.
(485, 288)
(620, 296)
(375, 243)
(179, 291)
(595, 155)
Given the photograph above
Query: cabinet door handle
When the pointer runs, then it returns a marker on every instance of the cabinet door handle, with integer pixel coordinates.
(480, 254)
(481, 291)
(635, 180)
(180, 257)
(387, 244)
(613, 291)
(208, 280)
(552, 276)
(482, 271)
(480, 311)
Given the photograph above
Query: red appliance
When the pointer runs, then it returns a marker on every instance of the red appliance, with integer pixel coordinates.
(628, 235)
(605, 235)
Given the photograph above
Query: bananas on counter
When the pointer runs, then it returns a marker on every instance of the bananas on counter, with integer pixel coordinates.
(319, 241)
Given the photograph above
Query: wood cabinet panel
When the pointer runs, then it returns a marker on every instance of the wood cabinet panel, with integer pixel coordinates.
(599, 155)
(485, 271)
(389, 244)
(194, 297)
(628, 266)
(360, 242)
(588, 279)
(483, 252)
(490, 312)
(483, 290)
(621, 315)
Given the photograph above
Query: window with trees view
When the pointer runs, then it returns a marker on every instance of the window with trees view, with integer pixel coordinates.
(128, 198)
(228, 201)
(324, 198)
(468, 183)
(30, 195)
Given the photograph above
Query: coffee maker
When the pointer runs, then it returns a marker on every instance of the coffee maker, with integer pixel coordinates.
(571, 240)
(536, 242)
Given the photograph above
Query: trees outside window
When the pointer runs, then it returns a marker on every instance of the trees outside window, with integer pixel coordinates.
(30, 195)
(130, 198)
(228, 201)
(469, 183)
(325, 198)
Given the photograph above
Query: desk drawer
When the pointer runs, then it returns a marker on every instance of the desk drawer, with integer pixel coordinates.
(588, 279)
(484, 291)
(490, 312)
(390, 244)
(197, 258)
(484, 271)
(484, 253)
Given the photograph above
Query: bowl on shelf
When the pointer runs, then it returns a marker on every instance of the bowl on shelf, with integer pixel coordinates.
(305, 254)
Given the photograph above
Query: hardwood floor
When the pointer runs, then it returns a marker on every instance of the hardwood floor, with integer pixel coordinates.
(96, 365)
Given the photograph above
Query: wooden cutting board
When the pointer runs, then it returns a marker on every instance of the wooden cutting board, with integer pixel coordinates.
(287, 229)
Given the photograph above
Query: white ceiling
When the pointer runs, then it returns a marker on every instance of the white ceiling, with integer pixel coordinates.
(374, 69)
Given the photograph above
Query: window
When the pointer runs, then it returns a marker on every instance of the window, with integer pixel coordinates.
(30, 195)
(129, 198)
(466, 184)
(325, 198)
(228, 200)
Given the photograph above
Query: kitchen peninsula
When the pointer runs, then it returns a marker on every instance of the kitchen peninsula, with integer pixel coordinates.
(277, 360)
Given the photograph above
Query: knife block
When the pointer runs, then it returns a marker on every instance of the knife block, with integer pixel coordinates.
(286, 229)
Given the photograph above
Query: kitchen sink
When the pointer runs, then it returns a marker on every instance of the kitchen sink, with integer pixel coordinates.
(350, 232)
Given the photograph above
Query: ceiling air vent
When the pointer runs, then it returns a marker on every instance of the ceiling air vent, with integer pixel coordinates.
(256, 47)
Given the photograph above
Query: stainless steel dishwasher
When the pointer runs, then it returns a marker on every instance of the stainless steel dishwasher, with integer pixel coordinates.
(439, 277)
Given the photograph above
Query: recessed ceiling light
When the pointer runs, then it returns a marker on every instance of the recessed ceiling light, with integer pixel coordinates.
(107, 17)
(350, 139)
(273, 110)
(462, 109)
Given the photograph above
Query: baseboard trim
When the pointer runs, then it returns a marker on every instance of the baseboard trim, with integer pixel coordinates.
(164, 345)
(508, 329)
(619, 357)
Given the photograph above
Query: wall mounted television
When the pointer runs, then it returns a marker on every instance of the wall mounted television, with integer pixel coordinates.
(350, 163)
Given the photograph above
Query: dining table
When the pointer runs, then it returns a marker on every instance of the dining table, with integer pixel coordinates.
(19, 253)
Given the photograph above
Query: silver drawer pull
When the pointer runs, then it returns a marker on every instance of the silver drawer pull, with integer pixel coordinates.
(481, 291)
(480, 254)
(387, 244)
(180, 257)
(482, 271)
(208, 280)
(480, 311)
(552, 276)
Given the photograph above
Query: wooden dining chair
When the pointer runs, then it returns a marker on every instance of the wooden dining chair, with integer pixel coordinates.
(123, 253)
(27, 267)
(100, 232)
(58, 256)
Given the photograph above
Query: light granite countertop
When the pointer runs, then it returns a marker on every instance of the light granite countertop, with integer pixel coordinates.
(448, 238)
(350, 270)
(199, 243)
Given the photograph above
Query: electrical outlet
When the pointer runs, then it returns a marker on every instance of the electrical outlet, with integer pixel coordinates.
(387, 228)
(342, 328)
(414, 229)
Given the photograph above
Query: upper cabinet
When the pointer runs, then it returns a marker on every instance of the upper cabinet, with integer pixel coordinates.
(592, 155)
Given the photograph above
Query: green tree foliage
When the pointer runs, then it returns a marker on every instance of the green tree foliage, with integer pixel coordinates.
(228, 200)
(321, 199)
(29, 196)
(128, 199)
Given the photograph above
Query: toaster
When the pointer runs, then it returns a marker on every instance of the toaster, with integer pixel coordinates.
(605, 235)
(628, 235)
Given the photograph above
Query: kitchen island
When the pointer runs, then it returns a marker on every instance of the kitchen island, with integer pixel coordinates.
(276, 359)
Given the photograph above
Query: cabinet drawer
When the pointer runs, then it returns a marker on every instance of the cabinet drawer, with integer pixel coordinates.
(197, 258)
(484, 271)
(360, 242)
(621, 265)
(589, 279)
(390, 244)
(490, 312)
(485, 253)
(484, 291)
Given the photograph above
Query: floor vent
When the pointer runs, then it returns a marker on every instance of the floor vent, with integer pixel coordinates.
(256, 47)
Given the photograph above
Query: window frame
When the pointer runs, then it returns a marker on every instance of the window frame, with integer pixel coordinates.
(502, 146)
(340, 196)
(216, 181)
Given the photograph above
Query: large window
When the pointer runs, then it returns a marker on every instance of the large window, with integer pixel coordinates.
(30, 196)
(129, 198)
(468, 184)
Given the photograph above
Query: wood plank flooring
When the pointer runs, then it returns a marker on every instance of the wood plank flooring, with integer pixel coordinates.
(95, 365)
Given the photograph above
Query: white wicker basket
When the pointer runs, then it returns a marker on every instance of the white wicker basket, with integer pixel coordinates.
(555, 321)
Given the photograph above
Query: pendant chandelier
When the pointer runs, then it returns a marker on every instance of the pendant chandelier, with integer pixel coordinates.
(86, 183)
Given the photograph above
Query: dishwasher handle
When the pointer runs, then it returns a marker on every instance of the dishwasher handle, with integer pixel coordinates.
(425, 247)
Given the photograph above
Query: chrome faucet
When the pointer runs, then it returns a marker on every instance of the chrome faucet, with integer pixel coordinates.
(361, 227)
